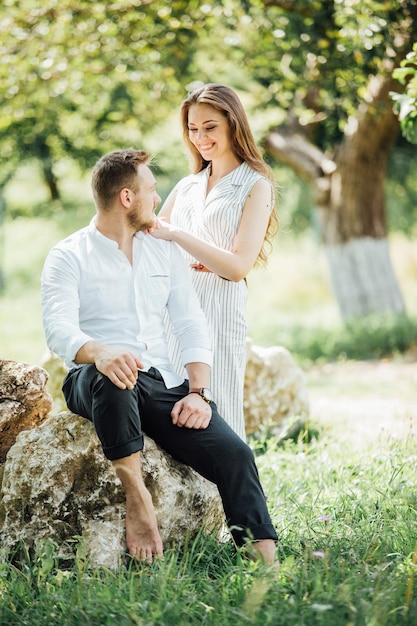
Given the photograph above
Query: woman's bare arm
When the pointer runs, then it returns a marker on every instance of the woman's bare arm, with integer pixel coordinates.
(236, 264)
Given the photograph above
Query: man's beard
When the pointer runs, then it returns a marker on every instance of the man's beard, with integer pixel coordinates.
(137, 222)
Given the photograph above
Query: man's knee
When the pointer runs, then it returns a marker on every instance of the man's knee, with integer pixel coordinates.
(242, 453)
(105, 392)
(235, 450)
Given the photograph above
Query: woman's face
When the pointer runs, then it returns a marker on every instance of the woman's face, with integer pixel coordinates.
(208, 130)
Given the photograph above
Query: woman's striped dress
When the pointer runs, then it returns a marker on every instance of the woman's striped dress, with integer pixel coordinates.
(216, 219)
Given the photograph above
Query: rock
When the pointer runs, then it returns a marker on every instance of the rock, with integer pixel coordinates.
(275, 389)
(54, 365)
(24, 401)
(57, 484)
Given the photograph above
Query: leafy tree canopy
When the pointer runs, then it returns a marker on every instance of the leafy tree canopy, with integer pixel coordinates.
(88, 76)
(315, 57)
(79, 78)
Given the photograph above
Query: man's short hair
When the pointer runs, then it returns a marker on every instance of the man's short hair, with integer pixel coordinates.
(115, 171)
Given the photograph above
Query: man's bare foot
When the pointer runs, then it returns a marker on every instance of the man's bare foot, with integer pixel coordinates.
(142, 535)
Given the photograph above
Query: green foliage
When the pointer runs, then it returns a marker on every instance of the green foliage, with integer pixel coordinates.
(405, 104)
(93, 76)
(315, 58)
(371, 337)
(401, 189)
(347, 526)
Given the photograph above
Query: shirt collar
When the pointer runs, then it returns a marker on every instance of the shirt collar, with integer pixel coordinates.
(233, 178)
(94, 232)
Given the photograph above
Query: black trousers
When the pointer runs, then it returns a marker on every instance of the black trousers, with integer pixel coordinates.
(216, 452)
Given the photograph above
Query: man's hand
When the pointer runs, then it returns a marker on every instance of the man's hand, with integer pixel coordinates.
(120, 366)
(191, 412)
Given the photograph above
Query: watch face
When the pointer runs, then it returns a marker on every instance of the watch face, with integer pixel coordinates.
(206, 395)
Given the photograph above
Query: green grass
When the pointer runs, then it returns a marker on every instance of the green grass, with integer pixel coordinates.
(348, 529)
(27, 242)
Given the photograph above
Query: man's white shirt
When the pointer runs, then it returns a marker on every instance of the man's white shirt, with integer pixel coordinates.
(90, 291)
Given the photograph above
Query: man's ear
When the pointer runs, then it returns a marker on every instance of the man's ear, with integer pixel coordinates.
(125, 197)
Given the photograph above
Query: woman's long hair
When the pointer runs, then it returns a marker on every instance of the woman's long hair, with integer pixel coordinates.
(225, 100)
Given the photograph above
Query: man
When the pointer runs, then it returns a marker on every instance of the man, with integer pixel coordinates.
(105, 292)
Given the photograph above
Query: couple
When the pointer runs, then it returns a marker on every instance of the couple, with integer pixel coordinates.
(105, 292)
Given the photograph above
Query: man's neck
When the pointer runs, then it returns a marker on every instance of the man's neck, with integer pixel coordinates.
(117, 230)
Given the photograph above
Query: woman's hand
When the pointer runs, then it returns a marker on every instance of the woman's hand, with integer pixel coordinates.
(162, 229)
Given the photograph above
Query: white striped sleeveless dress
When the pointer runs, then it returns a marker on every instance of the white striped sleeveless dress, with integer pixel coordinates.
(216, 219)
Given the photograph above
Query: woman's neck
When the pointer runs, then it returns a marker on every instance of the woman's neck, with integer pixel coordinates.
(222, 167)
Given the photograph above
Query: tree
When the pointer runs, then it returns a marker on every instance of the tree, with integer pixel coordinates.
(87, 75)
(91, 76)
(329, 64)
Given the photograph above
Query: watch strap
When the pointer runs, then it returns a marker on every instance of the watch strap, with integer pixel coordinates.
(201, 392)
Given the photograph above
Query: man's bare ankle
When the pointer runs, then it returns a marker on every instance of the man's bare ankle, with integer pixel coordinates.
(263, 550)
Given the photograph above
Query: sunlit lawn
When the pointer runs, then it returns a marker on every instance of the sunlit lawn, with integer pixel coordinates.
(294, 289)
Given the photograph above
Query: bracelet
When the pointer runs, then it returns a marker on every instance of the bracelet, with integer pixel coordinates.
(204, 393)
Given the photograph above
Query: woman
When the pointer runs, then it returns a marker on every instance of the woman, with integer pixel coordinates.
(223, 217)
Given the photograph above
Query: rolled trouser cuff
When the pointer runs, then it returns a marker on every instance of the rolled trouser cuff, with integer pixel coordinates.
(126, 449)
(258, 533)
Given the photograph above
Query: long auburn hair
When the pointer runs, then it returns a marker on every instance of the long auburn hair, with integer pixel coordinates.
(226, 101)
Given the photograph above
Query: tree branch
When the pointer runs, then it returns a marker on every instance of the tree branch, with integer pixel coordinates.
(303, 157)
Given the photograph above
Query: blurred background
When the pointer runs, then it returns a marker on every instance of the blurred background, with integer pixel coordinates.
(330, 91)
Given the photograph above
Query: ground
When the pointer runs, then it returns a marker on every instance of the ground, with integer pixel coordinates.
(363, 400)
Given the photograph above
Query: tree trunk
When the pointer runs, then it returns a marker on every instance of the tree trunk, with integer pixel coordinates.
(44, 154)
(50, 179)
(348, 193)
(362, 277)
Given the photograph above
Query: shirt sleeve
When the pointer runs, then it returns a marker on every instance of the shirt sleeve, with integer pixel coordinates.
(187, 318)
(60, 305)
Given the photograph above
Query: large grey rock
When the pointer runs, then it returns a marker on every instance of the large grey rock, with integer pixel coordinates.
(57, 484)
(275, 389)
(24, 401)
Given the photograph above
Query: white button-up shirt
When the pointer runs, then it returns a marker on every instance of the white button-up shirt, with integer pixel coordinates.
(90, 291)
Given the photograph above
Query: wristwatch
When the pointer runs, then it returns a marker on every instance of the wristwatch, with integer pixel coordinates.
(204, 393)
